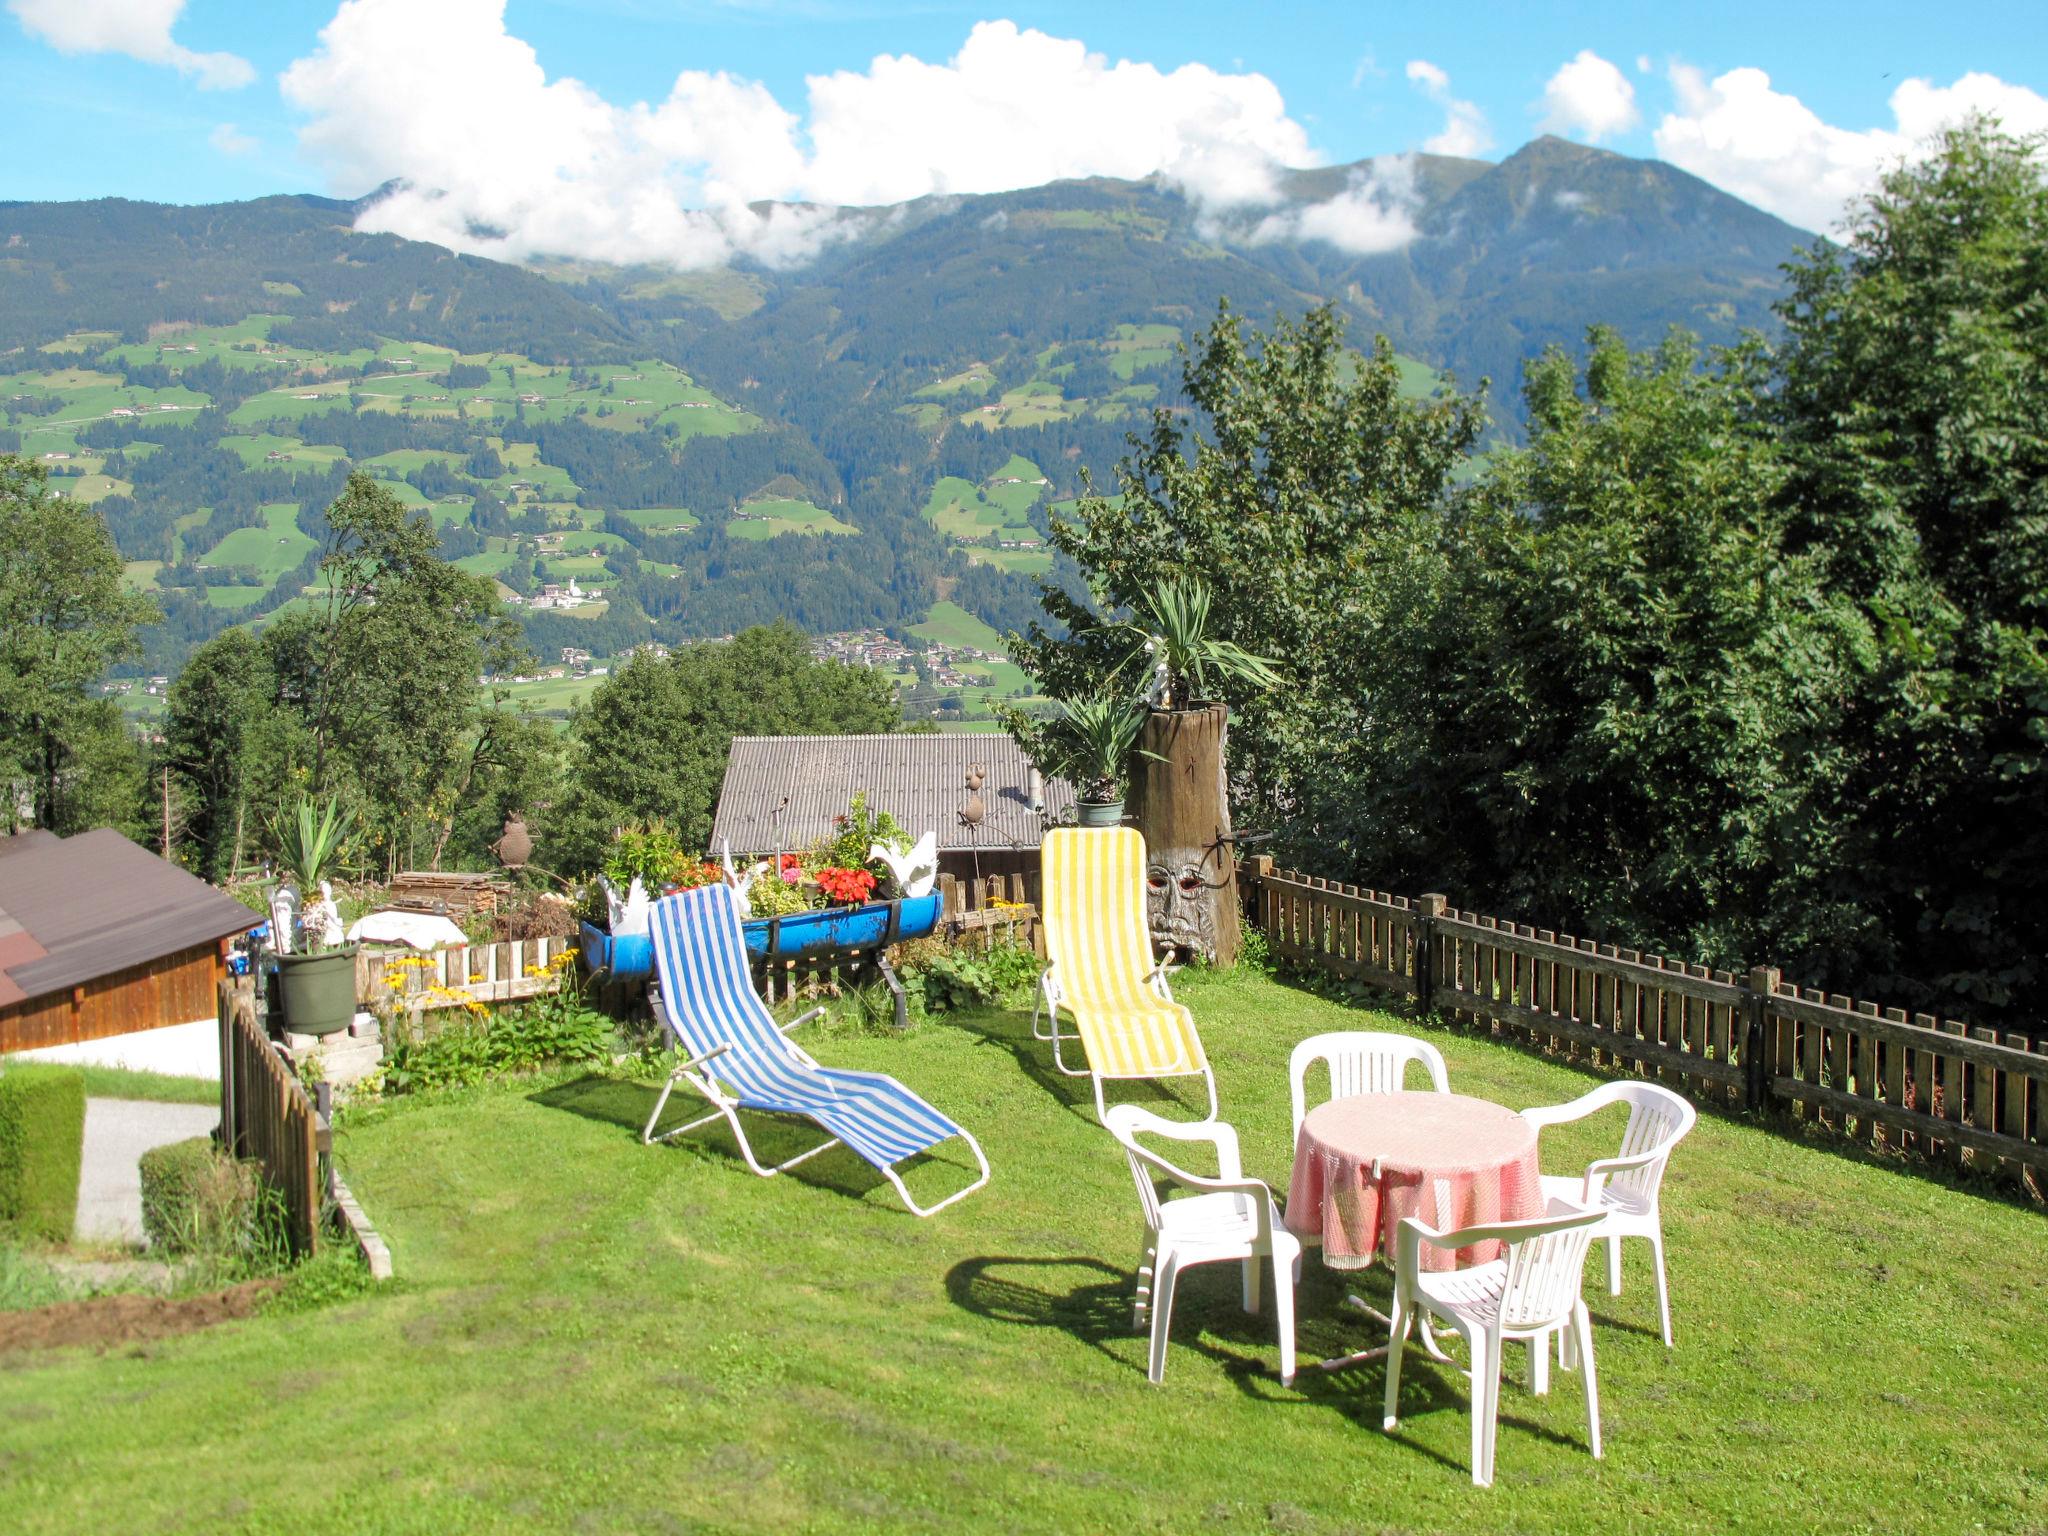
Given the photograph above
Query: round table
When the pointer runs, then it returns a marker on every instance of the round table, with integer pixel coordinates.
(1365, 1161)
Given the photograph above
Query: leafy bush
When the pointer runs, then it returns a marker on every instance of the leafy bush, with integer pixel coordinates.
(770, 896)
(954, 979)
(42, 1137)
(198, 1200)
(857, 831)
(561, 1028)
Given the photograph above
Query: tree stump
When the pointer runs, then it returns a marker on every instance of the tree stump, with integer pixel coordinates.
(1182, 806)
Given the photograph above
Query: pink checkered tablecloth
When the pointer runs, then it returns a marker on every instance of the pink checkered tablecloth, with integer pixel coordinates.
(1364, 1162)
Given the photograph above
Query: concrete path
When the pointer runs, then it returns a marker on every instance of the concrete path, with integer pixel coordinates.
(117, 1133)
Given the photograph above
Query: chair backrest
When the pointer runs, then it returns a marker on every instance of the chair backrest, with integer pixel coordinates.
(1362, 1061)
(1658, 1120)
(1546, 1261)
(1126, 1122)
(1093, 889)
(707, 985)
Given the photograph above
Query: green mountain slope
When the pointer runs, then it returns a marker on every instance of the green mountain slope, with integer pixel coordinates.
(846, 443)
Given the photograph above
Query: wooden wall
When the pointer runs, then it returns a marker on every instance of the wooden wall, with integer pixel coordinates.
(176, 989)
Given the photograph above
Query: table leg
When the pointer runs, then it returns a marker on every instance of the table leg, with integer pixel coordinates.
(1379, 1351)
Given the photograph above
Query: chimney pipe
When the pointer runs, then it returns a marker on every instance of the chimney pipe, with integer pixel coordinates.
(1034, 789)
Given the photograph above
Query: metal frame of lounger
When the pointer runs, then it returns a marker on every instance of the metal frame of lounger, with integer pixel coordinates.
(695, 1072)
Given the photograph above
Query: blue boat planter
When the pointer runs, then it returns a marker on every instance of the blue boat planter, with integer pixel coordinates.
(877, 925)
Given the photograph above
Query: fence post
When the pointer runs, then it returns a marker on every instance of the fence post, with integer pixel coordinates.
(1428, 908)
(1756, 1070)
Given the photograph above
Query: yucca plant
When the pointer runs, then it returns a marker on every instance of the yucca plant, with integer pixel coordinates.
(310, 843)
(1171, 630)
(1091, 744)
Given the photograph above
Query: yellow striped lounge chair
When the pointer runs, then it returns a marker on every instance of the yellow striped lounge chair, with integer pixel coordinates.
(1102, 972)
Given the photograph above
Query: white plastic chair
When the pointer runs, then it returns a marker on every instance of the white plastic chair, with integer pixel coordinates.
(1530, 1294)
(1625, 1187)
(1361, 1061)
(1230, 1219)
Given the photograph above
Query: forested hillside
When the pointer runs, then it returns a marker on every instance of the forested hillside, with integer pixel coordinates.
(846, 444)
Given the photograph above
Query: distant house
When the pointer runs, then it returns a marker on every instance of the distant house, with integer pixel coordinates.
(575, 656)
(783, 793)
(110, 954)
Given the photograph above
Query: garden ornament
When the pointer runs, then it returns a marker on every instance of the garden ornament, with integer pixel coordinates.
(322, 919)
(632, 915)
(915, 872)
(733, 877)
(976, 808)
(515, 846)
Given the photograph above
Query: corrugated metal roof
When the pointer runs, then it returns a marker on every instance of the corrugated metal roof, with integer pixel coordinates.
(920, 780)
(97, 903)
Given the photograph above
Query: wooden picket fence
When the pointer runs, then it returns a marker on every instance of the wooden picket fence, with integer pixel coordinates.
(453, 976)
(1970, 1096)
(265, 1115)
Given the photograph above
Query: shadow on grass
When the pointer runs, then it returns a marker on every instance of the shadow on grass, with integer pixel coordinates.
(1009, 1029)
(775, 1138)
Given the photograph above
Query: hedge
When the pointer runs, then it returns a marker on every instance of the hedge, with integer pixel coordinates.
(42, 1138)
(197, 1199)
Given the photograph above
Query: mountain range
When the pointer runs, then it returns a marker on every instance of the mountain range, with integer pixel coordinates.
(208, 372)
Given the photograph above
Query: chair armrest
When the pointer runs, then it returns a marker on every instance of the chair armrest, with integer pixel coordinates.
(1600, 1169)
(1559, 1114)
(801, 1019)
(698, 1061)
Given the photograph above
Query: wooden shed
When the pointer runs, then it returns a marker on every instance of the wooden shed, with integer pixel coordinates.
(109, 953)
(782, 793)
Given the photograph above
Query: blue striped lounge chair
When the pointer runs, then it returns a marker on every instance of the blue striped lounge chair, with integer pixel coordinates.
(740, 1059)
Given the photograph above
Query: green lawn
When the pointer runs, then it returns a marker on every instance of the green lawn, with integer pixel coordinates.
(950, 624)
(593, 1334)
(277, 546)
(770, 517)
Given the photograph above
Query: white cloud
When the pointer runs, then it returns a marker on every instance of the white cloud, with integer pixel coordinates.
(1643, 65)
(141, 29)
(230, 140)
(1589, 96)
(1374, 213)
(1465, 132)
(497, 158)
(1771, 149)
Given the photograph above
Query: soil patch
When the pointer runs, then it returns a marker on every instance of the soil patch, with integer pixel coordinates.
(105, 1321)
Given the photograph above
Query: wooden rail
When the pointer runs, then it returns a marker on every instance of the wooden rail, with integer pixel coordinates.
(452, 976)
(266, 1116)
(1970, 1096)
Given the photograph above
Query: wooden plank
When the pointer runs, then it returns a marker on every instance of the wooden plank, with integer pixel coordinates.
(1962, 1135)
(1583, 1032)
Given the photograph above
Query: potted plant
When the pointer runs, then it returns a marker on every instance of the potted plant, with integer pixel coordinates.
(1090, 744)
(317, 983)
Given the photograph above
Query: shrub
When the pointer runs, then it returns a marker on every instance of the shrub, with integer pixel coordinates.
(465, 1051)
(196, 1199)
(42, 1136)
(958, 978)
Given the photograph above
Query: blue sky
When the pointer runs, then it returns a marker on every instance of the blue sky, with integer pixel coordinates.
(181, 100)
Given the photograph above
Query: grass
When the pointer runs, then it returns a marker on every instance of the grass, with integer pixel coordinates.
(950, 624)
(124, 1083)
(590, 1333)
(277, 546)
(768, 518)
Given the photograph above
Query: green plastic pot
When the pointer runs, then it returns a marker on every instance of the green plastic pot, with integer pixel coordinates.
(318, 991)
(1098, 813)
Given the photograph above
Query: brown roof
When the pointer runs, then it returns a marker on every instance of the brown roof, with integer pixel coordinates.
(920, 780)
(76, 908)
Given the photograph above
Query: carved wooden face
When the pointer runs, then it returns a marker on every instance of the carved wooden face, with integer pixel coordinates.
(1180, 906)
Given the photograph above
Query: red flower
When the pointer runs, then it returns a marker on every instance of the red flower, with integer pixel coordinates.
(848, 886)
